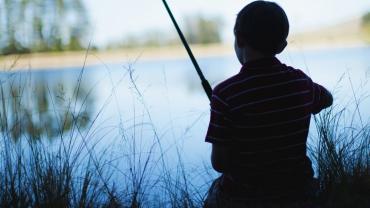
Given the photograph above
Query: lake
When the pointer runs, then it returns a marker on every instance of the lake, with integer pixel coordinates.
(154, 107)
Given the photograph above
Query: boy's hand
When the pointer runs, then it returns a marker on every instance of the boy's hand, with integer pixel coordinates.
(220, 158)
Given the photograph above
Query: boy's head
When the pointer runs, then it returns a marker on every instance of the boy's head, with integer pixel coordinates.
(262, 26)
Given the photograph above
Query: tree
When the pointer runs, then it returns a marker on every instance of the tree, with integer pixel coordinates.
(42, 25)
(366, 26)
(201, 30)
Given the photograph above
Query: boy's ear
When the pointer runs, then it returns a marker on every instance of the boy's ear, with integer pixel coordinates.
(281, 47)
(240, 41)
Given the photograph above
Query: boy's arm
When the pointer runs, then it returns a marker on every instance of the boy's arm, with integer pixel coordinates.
(219, 134)
(322, 98)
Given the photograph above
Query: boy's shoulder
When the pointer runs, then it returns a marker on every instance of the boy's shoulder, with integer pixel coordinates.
(222, 87)
(240, 78)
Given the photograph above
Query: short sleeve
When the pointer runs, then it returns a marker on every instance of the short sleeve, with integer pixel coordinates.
(220, 122)
(322, 98)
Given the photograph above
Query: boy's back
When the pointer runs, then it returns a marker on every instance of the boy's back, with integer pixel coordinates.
(263, 114)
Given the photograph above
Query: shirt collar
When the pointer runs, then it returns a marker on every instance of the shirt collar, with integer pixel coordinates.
(260, 64)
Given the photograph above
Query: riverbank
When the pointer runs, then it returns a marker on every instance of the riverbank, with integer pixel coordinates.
(88, 58)
(58, 60)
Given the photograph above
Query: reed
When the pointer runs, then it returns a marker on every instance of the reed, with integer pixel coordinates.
(342, 159)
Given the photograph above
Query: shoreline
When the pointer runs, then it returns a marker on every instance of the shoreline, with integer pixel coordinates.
(60, 60)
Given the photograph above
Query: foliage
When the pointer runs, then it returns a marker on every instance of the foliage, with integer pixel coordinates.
(366, 18)
(201, 30)
(198, 30)
(150, 38)
(38, 25)
(366, 25)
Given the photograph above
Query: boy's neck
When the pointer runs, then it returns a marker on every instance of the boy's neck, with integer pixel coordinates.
(255, 57)
(249, 55)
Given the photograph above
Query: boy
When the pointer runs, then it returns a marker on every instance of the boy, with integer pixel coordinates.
(260, 119)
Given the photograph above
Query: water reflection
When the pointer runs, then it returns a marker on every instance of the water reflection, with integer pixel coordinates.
(36, 107)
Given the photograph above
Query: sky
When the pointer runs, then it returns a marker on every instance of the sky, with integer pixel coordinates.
(112, 20)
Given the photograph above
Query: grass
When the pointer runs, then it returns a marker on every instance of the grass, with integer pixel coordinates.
(79, 171)
(342, 158)
(76, 169)
(35, 173)
(342, 152)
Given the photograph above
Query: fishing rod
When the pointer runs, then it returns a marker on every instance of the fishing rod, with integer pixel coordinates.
(206, 86)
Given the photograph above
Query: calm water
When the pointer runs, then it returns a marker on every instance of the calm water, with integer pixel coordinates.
(159, 101)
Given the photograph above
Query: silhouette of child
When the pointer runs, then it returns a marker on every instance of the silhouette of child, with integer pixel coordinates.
(260, 119)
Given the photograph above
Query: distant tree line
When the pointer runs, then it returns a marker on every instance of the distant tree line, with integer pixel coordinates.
(197, 30)
(366, 25)
(41, 25)
(201, 30)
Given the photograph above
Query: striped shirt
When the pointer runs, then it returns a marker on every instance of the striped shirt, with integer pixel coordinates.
(263, 113)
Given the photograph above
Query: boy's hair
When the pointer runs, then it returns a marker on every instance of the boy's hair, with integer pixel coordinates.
(264, 26)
